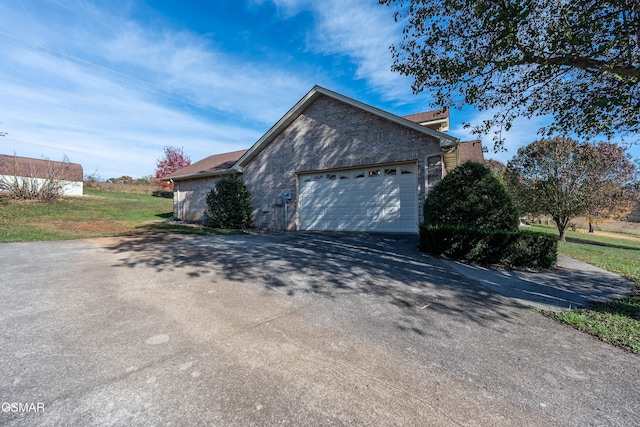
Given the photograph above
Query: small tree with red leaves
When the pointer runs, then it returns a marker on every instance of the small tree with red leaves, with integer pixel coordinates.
(174, 159)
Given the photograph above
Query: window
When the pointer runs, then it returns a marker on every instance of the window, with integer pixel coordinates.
(390, 172)
(405, 171)
(375, 172)
(331, 176)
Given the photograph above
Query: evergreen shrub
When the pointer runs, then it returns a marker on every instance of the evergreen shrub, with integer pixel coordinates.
(228, 205)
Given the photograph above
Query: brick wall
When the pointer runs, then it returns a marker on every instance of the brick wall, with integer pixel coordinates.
(189, 198)
(328, 135)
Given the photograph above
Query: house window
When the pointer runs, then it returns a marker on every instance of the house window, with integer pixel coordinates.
(331, 176)
(390, 172)
(375, 172)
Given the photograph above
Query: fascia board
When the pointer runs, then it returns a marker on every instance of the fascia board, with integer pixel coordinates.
(444, 139)
(201, 175)
(281, 124)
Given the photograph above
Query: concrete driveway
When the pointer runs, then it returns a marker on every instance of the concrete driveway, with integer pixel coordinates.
(286, 329)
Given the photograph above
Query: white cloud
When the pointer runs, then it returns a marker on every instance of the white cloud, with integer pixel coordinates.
(360, 30)
(67, 90)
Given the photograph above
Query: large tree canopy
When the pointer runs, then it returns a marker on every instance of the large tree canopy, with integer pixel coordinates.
(578, 60)
(564, 179)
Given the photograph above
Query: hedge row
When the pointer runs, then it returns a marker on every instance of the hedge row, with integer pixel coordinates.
(520, 249)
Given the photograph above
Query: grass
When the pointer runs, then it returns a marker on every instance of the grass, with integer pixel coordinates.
(97, 214)
(615, 252)
(616, 321)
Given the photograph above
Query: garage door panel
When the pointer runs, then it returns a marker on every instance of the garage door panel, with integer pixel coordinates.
(367, 199)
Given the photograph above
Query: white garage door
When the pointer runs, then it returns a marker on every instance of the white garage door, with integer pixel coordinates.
(372, 199)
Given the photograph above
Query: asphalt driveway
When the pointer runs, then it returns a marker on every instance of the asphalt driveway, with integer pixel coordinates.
(286, 329)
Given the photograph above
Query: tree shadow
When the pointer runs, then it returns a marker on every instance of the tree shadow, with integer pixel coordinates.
(382, 268)
(627, 307)
(603, 244)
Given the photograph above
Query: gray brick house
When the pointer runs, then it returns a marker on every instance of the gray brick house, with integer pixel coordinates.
(333, 163)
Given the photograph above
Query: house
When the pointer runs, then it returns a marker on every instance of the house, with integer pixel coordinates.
(333, 163)
(38, 171)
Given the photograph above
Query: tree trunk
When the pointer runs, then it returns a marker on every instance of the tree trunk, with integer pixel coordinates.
(562, 227)
(591, 227)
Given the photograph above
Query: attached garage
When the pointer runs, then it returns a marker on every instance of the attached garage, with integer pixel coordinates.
(377, 198)
(334, 163)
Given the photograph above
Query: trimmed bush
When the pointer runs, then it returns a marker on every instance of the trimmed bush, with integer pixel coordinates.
(472, 196)
(520, 249)
(228, 205)
(168, 194)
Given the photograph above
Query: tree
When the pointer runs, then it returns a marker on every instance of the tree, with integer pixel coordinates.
(578, 61)
(228, 204)
(174, 159)
(496, 166)
(610, 195)
(471, 195)
(564, 179)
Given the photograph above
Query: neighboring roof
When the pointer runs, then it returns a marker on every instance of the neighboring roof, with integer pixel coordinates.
(218, 164)
(435, 119)
(310, 97)
(39, 168)
(471, 150)
(428, 116)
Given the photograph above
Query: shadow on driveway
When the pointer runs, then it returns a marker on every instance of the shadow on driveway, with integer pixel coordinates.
(326, 264)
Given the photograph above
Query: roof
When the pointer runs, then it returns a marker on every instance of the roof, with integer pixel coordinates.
(435, 119)
(428, 116)
(471, 150)
(218, 164)
(225, 163)
(310, 97)
(39, 168)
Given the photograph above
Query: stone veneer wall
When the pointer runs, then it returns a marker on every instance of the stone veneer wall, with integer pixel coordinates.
(329, 135)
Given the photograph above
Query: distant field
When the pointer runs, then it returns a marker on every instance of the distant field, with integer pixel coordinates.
(97, 214)
(106, 187)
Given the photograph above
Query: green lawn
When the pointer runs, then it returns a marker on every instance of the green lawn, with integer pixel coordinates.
(615, 252)
(617, 321)
(97, 214)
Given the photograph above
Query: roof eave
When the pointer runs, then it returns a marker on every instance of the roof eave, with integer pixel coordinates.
(199, 175)
(444, 139)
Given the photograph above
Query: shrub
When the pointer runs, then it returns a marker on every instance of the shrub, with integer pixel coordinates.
(168, 194)
(471, 195)
(521, 249)
(228, 204)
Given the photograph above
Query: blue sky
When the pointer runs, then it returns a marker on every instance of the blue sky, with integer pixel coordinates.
(110, 83)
